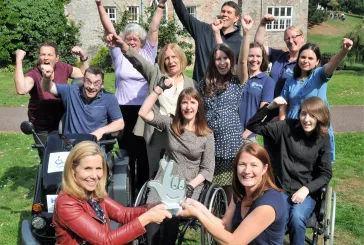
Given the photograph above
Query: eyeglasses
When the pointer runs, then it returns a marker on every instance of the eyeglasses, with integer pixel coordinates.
(129, 39)
(96, 84)
(293, 38)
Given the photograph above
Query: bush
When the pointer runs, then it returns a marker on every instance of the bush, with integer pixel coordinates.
(325, 57)
(103, 60)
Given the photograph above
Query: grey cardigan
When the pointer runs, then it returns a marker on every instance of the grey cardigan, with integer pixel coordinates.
(152, 74)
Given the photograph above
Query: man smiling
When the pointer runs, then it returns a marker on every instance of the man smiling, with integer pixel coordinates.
(203, 34)
(89, 108)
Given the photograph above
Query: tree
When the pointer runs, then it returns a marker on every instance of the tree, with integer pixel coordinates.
(26, 24)
(334, 4)
(355, 6)
(316, 16)
(356, 54)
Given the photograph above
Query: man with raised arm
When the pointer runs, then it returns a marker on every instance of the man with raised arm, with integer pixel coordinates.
(204, 36)
(44, 109)
(89, 108)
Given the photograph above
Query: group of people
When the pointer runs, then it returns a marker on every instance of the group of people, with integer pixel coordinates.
(206, 124)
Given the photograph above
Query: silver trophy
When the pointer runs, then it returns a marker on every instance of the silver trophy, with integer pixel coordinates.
(172, 189)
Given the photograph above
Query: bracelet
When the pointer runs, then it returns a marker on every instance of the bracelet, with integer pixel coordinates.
(156, 92)
(83, 59)
(161, 6)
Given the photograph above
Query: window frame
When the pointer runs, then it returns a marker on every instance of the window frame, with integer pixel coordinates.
(192, 7)
(282, 22)
(107, 10)
(132, 14)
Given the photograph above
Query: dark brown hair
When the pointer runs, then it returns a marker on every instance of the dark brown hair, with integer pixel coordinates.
(267, 181)
(315, 48)
(265, 61)
(212, 75)
(234, 5)
(48, 44)
(318, 109)
(201, 128)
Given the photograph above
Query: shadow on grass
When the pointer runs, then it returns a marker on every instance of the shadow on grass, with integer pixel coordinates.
(20, 177)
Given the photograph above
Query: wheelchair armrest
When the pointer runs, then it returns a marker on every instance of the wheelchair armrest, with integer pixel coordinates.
(322, 201)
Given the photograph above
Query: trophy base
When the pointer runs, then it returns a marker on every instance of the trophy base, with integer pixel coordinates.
(173, 208)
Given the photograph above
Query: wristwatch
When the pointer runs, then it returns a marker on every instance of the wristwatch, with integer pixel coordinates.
(83, 59)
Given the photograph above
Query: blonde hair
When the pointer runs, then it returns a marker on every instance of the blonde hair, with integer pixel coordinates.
(294, 28)
(178, 52)
(69, 183)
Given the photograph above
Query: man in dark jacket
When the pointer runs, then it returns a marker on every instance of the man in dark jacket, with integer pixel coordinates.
(203, 34)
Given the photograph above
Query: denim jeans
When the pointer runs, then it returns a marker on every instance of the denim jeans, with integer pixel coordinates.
(297, 215)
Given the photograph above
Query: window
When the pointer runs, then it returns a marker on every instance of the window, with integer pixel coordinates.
(192, 10)
(111, 11)
(133, 13)
(283, 18)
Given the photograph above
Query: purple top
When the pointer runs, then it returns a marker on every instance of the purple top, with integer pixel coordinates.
(131, 86)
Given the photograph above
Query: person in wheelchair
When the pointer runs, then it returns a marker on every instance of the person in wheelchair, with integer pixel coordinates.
(302, 161)
(89, 108)
(83, 210)
(190, 143)
(256, 213)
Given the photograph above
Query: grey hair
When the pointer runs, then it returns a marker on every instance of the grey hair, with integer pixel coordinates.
(134, 28)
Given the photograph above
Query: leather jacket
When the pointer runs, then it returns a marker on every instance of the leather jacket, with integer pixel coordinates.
(76, 222)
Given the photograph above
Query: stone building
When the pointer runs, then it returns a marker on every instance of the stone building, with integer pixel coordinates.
(287, 12)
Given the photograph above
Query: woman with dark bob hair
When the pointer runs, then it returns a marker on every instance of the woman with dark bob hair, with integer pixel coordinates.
(301, 162)
(189, 142)
(222, 90)
(256, 216)
(83, 210)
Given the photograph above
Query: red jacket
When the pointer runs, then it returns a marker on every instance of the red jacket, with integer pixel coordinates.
(76, 222)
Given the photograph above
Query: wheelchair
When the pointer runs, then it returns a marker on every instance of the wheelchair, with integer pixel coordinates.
(212, 196)
(40, 230)
(322, 219)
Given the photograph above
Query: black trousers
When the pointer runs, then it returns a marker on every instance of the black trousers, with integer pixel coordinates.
(135, 146)
(163, 234)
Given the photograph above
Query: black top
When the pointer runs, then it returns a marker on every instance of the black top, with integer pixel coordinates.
(301, 160)
(274, 233)
(204, 38)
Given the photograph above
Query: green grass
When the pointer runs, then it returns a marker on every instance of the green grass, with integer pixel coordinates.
(331, 41)
(19, 164)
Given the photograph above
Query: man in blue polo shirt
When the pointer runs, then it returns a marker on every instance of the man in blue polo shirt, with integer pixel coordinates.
(89, 108)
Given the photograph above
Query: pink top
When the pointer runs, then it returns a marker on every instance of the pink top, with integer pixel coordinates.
(131, 86)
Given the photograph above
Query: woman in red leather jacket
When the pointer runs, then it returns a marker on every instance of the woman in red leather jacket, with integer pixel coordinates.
(83, 210)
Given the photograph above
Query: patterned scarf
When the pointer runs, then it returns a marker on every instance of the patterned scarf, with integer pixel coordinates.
(98, 209)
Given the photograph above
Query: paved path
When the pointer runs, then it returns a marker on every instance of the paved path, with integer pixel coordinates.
(344, 118)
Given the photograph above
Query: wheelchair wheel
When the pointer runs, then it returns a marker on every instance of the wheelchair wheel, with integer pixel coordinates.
(141, 199)
(216, 202)
(329, 219)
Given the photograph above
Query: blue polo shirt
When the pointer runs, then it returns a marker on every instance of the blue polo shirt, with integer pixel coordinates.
(296, 91)
(281, 68)
(256, 90)
(84, 116)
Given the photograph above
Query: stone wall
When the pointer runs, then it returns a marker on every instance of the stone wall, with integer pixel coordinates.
(84, 12)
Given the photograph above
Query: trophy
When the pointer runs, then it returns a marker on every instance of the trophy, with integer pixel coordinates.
(172, 189)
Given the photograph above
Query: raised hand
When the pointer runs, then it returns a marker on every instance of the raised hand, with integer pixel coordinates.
(246, 22)
(162, 2)
(267, 18)
(47, 71)
(347, 44)
(277, 102)
(217, 24)
(78, 51)
(172, 188)
(20, 54)
(98, 2)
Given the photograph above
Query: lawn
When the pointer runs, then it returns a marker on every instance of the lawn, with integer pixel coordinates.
(19, 164)
(330, 33)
